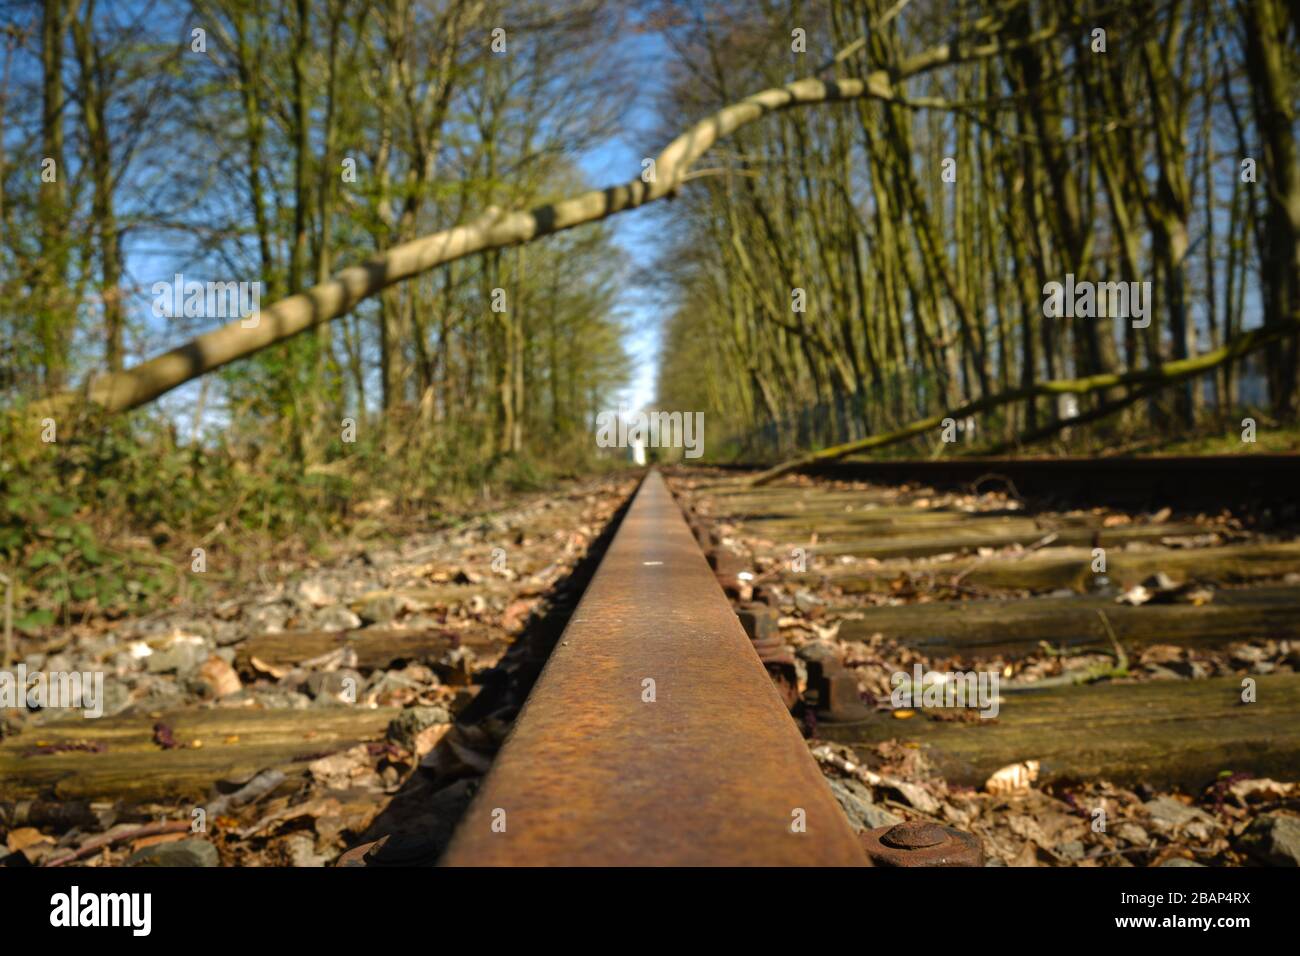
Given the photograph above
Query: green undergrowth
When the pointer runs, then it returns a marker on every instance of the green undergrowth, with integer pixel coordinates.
(106, 523)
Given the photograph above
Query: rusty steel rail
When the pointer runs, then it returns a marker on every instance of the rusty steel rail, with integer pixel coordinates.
(654, 736)
(1184, 482)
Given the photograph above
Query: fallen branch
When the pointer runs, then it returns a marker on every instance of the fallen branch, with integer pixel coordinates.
(1158, 377)
(1121, 659)
(259, 786)
(496, 229)
(108, 839)
(1089, 675)
(262, 784)
(1103, 410)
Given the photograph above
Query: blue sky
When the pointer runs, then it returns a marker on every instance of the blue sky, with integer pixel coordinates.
(619, 161)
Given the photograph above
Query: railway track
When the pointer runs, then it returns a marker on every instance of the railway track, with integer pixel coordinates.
(1251, 482)
(716, 679)
(654, 737)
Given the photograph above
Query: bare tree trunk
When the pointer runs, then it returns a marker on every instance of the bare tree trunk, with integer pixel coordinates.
(53, 306)
(1266, 28)
(94, 95)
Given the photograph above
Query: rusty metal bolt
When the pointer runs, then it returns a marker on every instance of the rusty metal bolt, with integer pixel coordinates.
(918, 843)
(760, 624)
(843, 701)
(758, 621)
(773, 650)
(832, 688)
(727, 567)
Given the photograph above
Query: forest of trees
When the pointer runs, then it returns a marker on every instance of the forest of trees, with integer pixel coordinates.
(857, 268)
(852, 268)
(258, 140)
(864, 204)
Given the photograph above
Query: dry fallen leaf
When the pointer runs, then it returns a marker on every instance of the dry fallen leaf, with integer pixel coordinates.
(1264, 787)
(221, 676)
(265, 668)
(516, 613)
(915, 795)
(1013, 778)
(158, 838)
(1136, 596)
(314, 594)
(23, 837)
(344, 769)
